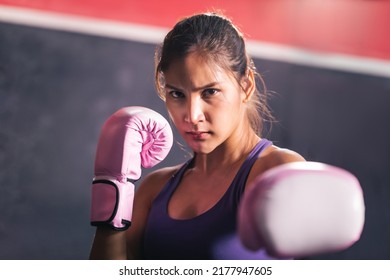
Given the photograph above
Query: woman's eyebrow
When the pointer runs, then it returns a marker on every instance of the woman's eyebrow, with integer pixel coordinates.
(172, 87)
(213, 84)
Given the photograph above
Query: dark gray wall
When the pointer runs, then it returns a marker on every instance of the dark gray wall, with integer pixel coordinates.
(57, 88)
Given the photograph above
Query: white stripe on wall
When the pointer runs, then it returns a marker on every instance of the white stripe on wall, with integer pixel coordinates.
(155, 35)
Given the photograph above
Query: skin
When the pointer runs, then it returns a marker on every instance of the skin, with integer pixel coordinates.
(208, 108)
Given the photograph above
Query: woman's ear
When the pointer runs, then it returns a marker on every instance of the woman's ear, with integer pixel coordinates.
(248, 85)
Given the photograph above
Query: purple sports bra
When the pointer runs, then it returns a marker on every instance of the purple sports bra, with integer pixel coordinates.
(211, 235)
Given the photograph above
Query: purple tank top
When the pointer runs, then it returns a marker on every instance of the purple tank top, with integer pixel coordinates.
(211, 235)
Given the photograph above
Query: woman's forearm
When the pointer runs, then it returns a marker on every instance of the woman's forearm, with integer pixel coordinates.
(108, 244)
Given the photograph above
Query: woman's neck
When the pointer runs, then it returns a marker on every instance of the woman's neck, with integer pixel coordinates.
(228, 155)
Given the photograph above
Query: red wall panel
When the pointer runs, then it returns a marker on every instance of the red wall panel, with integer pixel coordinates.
(357, 27)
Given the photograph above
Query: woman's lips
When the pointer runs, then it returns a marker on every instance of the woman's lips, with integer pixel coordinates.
(198, 135)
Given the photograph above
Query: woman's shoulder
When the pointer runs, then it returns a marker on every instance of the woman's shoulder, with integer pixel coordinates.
(271, 157)
(275, 156)
(153, 182)
(162, 174)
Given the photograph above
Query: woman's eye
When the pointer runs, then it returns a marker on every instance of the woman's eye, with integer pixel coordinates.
(210, 92)
(176, 94)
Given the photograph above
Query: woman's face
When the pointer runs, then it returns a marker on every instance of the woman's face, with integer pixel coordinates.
(205, 102)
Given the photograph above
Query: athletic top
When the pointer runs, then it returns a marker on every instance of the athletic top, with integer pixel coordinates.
(212, 234)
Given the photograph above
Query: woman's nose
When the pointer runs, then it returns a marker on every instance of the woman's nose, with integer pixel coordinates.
(194, 113)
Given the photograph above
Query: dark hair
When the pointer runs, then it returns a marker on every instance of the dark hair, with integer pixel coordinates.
(214, 36)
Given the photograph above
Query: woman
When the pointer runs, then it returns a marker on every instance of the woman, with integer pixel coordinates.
(208, 83)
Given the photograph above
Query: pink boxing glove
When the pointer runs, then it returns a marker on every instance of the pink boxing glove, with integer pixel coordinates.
(302, 209)
(131, 137)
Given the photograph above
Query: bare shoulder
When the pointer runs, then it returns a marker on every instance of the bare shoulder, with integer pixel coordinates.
(277, 156)
(273, 156)
(153, 182)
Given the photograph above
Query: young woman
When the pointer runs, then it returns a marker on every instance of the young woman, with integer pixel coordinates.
(208, 82)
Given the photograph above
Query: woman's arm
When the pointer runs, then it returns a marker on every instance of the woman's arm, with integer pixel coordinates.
(108, 244)
(299, 209)
(112, 244)
(120, 153)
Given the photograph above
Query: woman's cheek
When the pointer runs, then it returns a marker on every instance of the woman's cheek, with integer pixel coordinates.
(174, 114)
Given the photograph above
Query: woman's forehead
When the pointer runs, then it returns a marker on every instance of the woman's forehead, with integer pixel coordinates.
(195, 66)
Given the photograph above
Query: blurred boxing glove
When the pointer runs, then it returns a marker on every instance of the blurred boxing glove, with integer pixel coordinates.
(131, 137)
(302, 209)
